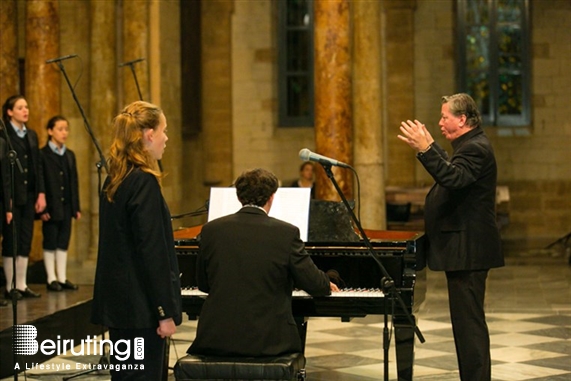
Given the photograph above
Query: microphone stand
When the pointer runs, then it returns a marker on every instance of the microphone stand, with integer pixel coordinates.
(14, 161)
(132, 67)
(198, 212)
(387, 283)
(102, 163)
(189, 214)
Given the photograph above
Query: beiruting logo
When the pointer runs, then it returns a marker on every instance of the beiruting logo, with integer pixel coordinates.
(25, 343)
(24, 339)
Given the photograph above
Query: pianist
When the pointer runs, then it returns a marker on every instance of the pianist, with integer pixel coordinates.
(248, 264)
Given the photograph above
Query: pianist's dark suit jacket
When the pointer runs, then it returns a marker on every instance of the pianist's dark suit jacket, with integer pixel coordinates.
(249, 263)
(137, 276)
(460, 208)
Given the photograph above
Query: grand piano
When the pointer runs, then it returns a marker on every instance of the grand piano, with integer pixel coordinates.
(334, 245)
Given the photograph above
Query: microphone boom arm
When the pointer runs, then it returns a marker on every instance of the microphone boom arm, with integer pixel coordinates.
(61, 58)
(102, 162)
(131, 65)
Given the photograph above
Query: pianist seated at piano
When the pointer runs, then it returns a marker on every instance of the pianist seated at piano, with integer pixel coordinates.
(249, 264)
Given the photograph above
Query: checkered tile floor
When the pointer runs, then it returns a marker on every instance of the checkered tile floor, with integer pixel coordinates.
(528, 307)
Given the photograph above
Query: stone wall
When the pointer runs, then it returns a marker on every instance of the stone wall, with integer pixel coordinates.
(258, 141)
(433, 69)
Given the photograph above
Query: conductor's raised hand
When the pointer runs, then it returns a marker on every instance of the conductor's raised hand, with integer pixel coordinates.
(415, 135)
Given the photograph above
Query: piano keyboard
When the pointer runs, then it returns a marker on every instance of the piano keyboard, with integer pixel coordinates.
(344, 293)
(192, 291)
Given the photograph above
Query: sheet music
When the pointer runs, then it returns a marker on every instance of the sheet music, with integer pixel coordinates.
(290, 205)
(223, 201)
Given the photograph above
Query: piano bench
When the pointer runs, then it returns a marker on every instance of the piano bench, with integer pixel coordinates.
(288, 367)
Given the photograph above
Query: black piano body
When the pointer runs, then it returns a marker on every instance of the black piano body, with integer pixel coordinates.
(401, 254)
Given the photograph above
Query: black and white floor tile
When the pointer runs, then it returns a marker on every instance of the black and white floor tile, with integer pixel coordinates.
(528, 307)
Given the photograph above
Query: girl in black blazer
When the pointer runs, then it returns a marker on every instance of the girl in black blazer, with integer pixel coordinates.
(62, 198)
(137, 287)
(27, 200)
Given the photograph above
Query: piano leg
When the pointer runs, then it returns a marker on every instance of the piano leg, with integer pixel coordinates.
(301, 322)
(404, 342)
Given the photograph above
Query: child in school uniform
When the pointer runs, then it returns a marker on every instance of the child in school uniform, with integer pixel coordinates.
(27, 200)
(62, 199)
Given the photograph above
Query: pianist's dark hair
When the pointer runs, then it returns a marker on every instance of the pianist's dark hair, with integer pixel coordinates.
(463, 104)
(255, 187)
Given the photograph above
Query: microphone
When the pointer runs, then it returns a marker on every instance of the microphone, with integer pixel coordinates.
(307, 155)
(61, 58)
(131, 62)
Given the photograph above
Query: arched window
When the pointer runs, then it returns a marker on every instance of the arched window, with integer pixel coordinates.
(295, 63)
(494, 58)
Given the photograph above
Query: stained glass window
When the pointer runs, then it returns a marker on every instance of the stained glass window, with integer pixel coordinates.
(494, 58)
(295, 63)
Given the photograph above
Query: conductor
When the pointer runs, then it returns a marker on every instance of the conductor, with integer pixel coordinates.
(248, 264)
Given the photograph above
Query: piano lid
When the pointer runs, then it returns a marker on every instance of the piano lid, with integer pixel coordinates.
(187, 233)
(329, 222)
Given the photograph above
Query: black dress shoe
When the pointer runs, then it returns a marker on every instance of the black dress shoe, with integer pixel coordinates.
(68, 285)
(27, 293)
(3, 303)
(8, 294)
(54, 286)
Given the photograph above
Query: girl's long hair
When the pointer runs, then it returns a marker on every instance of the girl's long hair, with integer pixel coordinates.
(128, 149)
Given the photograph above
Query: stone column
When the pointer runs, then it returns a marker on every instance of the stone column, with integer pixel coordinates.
(135, 44)
(367, 116)
(333, 110)
(74, 39)
(165, 91)
(103, 99)
(42, 80)
(216, 63)
(398, 40)
(103, 74)
(9, 76)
